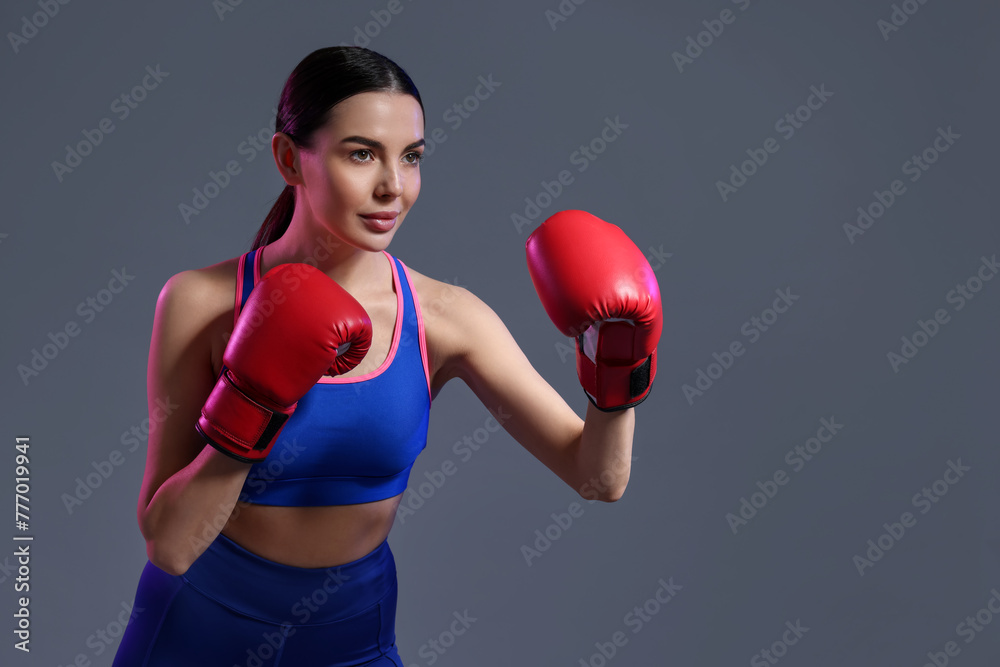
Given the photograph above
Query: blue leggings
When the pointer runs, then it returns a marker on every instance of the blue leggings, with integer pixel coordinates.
(233, 608)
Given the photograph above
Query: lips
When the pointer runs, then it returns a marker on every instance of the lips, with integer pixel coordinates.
(380, 221)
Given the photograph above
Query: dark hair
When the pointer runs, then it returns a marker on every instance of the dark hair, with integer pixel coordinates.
(324, 78)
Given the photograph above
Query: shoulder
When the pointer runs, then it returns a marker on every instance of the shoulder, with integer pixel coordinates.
(456, 321)
(451, 308)
(440, 299)
(195, 308)
(194, 316)
(200, 292)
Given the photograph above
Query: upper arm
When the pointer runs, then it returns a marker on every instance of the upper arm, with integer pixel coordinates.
(179, 378)
(486, 357)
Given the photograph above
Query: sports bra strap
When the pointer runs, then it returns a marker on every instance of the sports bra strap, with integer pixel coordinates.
(249, 265)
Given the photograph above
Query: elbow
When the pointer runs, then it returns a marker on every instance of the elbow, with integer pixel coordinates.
(612, 495)
(614, 491)
(604, 487)
(169, 560)
(604, 494)
(162, 552)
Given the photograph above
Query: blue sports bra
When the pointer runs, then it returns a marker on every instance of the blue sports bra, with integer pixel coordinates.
(350, 440)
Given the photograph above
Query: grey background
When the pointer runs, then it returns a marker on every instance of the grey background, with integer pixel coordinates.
(826, 357)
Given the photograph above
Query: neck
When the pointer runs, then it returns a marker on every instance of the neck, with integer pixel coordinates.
(351, 267)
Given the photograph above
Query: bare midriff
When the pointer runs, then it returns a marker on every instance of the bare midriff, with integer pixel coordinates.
(312, 536)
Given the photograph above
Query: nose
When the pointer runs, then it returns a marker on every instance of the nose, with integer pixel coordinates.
(391, 182)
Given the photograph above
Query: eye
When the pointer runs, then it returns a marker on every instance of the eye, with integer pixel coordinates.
(417, 158)
(362, 150)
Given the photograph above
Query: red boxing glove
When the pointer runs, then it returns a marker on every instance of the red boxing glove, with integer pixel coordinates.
(297, 325)
(597, 286)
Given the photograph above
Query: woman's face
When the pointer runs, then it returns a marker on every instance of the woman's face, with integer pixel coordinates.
(365, 160)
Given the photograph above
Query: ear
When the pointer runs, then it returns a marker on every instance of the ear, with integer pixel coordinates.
(287, 158)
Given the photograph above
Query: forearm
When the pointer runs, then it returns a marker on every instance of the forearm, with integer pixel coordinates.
(604, 457)
(189, 510)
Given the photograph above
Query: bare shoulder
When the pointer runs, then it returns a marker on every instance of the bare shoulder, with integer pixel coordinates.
(451, 314)
(196, 297)
(196, 305)
(438, 298)
(202, 290)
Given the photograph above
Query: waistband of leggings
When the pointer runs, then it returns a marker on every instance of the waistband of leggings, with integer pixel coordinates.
(289, 595)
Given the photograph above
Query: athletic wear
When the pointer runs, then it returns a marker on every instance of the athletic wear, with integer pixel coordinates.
(233, 608)
(350, 440)
(296, 326)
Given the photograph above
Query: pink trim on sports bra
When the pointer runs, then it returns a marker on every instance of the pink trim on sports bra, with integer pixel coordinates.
(239, 290)
(397, 329)
(396, 334)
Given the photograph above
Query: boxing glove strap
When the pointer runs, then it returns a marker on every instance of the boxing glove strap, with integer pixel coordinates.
(612, 374)
(639, 385)
(638, 380)
(236, 424)
(615, 408)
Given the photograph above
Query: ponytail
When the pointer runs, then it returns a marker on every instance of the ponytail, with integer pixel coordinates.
(277, 219)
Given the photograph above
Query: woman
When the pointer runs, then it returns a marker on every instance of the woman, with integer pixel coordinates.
(269, 493)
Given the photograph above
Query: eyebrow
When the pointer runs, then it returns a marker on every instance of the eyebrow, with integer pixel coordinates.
(377, 145)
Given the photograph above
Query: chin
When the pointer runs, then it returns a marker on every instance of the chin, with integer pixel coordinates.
(374, 242)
